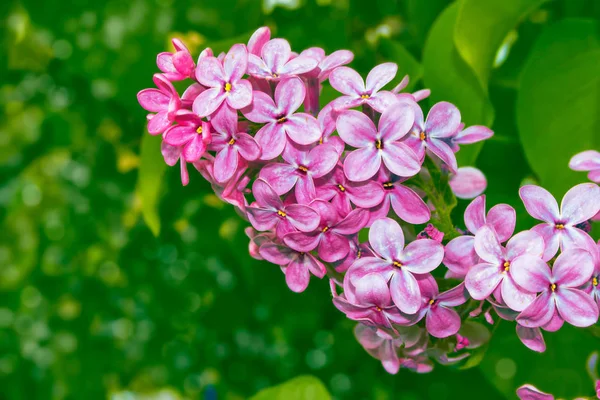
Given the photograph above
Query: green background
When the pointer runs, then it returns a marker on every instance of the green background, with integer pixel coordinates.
(94, 305)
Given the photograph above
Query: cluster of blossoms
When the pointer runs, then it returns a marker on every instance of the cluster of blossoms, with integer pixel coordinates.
(309, 182)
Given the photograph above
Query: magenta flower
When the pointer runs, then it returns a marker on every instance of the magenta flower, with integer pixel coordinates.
(441, 320)
(369, 301)
(560, 229)
(164, 101)
(230, 144)
(472, 134)
(357, 130)
(587, 161)
(560, 297)
(301, 168)
(270, 212)
(407, 204)
(356, 251)
(591, 287)
(191, 133)
(257, 41)
(348, 82)
(530, 392)
(281, 120)
(380, 346)
(468, 183)
(179, 65)
(431, 232)
(460, 252)
(327, 117)
(333, 236)
(277, 62)
(434, 134)
(398, 264)
(224, 82)
(498, 265)
(342, 193)
(296, 266)
(171, 155)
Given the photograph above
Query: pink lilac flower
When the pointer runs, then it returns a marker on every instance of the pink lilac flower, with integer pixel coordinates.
(191, 133)
(164, 101)
(530, 392)
(472, 134)
(302, 166)
(276, 62)
(257, 239)
(333, 236)
(380, 346)
(327, 117)
(369, 302)
(356, 252)
(171, 155)
(296, 266)
(433, 134)
(375, 147)
(431, 232)
(342, 193)
(498, 265)
(587, 161)
(407, 204)
(259, 38)
(281, 120)
(179, 65)
(467, 183)
(591, 287)
(270, 212)
(560, 297)
(397, 264)
(560, 229)
(460, 253)
(461, 342)
(231, 144)
(356, 92)
(417, 96)
(224, 82)
(441, 320)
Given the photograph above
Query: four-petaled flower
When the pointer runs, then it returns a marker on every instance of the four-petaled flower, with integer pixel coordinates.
(164, 101)
(375, 147)
(587, 161)
(190, 132)
(277, 62)
(179, 65)
(560, 229)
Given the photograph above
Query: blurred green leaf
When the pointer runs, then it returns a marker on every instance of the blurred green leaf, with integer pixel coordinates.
(407, 65)
(151, 170)
(451, 79)
(422, 14)
(30, 50)
(481, 28)
(559, 99)
(300, 388)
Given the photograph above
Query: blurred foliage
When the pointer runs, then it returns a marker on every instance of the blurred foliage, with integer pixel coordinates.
(93, 305)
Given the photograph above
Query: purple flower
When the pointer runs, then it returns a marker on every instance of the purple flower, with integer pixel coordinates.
(327, 117)
(460, 252)
(441, 320)
(431, 232)
(281, 120)
(277, 62)
(342, 193)
(326, 64)
(591, 287)
(369, 301)
(380, 345)
(398, 264)
(443, 121)
(472, 134)
(559, 298)
(230, 144)
(347, 81)
(587, 161)
(333, 236)
(163, 101)
(357, 130)
(530, 392)
(356, 251)
(407, 204)
(172, 154)
(179, 65)
(296, 266)
(191, 133)
(301, 168)
(258, 40)
(499, 264)
(270, 212)
(559, 229)
(224, 82)
(468, 183)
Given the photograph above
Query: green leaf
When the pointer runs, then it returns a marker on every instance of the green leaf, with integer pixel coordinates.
(558, 101)
(421, 15)
(451, 79)
(151, 170)
(481, 28)
(407, 65)
(300, 388)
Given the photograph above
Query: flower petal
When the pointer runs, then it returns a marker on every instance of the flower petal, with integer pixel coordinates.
(514, 296)
(277, 254)
(530, 392)
(475, 214)
(387, 239)
(235, 63)
(551, 239)
(302, 217)
(365, 194)
(347, 81)
(539, 312)
(526, 242)
(585, 161)
(503, 218)
(400, 159)
(473, 134)
(573, 268)
(301, 241)
(540, 204)
(396, 121)
(362, 164)
(353, 222)
(153, 100)
(580, 203)
(276, 52)
(289, 95)
(576, 307)
(272, 140)
(372, 290)
(487, 245)
(531, 273)
(247, 146)
(226, 163)
(405, 291)
(443, 152)
(333, 247)
(380, 76)
(443, 120)
(422, 256)
(262, 109)
(265, 196)
(210, 73)
(297, 276)
(481, 280)
(356, 129)
(468, 182)
(442, 322)
(298, 65)
(408, 205)
(281, 177)
(240, 95)
(460, 255)
(261, 219)
(208, 101)
(532, 338)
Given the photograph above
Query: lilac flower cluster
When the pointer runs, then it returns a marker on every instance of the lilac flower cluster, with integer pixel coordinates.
(309, 182)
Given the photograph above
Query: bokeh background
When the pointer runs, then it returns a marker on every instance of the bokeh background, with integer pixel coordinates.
(93, 305)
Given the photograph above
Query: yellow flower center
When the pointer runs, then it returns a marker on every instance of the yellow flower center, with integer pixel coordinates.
(303, 168)
(325, 229)
(231, 142)
(422, 136)
(397, 264)
(359, 254)
(282, 120)
(321, 140)
(199, 130)
(281, 213)
(506, 266)
(378, 309)
(388, 185)
(595, 281)
(228, 87)
(342, 188)
(560, 226)
(378, 144)
(553, 287)
(365, 96)
(431, 302)
(275, 75)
